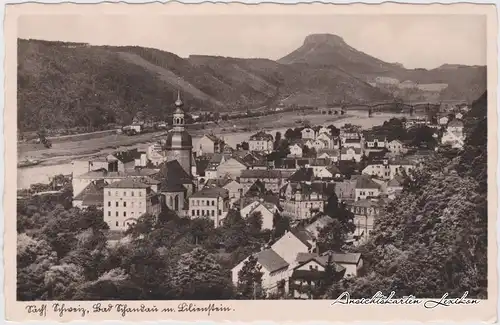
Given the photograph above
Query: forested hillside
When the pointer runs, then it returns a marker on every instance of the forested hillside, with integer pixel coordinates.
(432, 239)
(64, 85)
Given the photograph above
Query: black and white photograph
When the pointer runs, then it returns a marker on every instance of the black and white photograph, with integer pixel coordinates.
(251, 157)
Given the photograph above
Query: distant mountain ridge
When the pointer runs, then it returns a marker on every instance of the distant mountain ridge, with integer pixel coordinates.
(63, 84)
(327, 50)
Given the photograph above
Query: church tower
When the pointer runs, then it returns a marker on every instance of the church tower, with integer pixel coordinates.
(179, 143)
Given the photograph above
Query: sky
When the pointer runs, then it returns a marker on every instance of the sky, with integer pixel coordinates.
(416, 41)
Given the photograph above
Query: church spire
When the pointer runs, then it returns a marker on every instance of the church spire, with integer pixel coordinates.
(178, 102)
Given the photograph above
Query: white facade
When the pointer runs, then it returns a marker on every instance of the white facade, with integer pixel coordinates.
(350, 154)
(396, 147)
(295, 150)
(308, 133)
(443, 120)
(123, 206)
(260, 145)
(363, 193)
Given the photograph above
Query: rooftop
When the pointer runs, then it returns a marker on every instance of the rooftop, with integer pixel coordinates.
(128, 183)
(270, 260)
(365, 181)
(261, 135)
(260, 173)
(211, 192)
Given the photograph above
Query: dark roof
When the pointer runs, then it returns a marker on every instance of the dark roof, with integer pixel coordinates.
(365, 181)
(173, 177)
(213, 137)
(128, 155)
(304, 258)
(302, 175)
(258, 187)
(201, 166)
(92, 194)
(178, 139)
(260, 173)
(261, 135)
(303, 235)
(128, 183)
(329, 152)
(372, 137)
(397, 181)
(271, 261)
(211, 192)
(344, 258)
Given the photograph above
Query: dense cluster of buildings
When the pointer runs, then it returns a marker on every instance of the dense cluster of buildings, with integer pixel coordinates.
(363, 169)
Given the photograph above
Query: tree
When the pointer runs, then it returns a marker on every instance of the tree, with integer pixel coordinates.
(334, 235)
(334, 131)
(277, 140)
(281, 224)
(250, 280)
(254, 222)
(198, 276)
(244, 146)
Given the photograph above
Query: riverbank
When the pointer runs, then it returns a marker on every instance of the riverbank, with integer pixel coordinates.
(61, 164)
(67, 151)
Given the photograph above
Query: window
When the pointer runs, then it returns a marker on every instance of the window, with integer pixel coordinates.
(109, 203)
(140, 193)
(124, 193)
(116, 213)
(197, 202)
(198, 213)
(109, 213)
(124, 204)
(192, 213)
(220, 212)
(213, 201)
(116, 193)
(213, 213)
(117, 223)
(116, 203)
(202, 202)
(109, 193)
(132, 193)
(124, 213)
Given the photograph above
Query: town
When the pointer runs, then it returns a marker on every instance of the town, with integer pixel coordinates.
(312, 194)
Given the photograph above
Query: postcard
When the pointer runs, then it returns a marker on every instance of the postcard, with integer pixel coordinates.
(234, 162)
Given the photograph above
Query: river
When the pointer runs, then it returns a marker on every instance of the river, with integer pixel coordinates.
(42, 173)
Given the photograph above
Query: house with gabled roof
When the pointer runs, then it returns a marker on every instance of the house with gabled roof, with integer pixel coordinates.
(91, 196)
(272, 179)
(261, 142)
(365, 187)
(352, 262)
(308, 273)
(209, 144)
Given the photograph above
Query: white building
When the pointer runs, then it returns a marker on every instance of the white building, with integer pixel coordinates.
(212, 203)
(454, 134)
(351, 154)
(396, 147)
(266, 209)
(308, 134)
(295, 150)
(366, 188)
(127, 200)
(261, 142)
